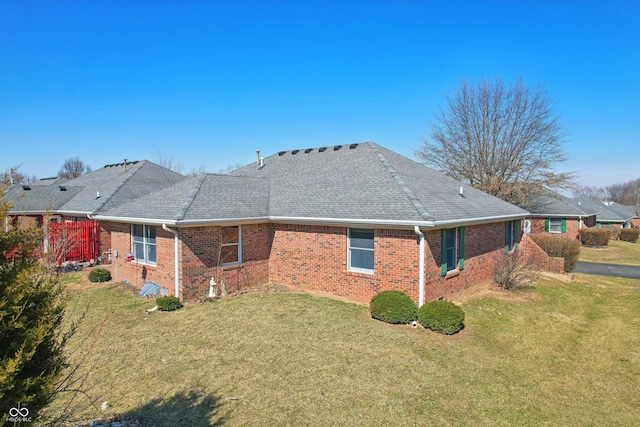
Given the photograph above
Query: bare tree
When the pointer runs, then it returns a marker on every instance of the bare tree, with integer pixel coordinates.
(169, 162)
(230, 168)
(627, 193)
(73, 168)
(197, 170)
(504, 141)
(590, 191)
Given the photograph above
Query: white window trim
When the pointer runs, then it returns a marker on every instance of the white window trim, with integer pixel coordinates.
(512, 243)
(239, 245)
(358, 269)
(560, 225)
(144, 246)
(456, 249)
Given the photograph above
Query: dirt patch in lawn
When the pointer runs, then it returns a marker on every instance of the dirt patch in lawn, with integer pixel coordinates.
(489, 289)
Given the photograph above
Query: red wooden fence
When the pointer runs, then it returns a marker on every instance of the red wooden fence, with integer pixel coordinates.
(73, 241)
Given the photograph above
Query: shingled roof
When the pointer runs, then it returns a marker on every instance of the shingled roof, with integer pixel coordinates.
(103, 188)
(556, 205)
(352, 184)
(607, 213)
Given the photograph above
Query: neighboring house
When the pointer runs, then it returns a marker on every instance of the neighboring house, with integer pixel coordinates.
(74, 200)
(556, 214)
(609, 214)
(348, 220)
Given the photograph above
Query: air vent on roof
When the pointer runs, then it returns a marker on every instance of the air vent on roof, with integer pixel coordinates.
(26, 187)
(352, 146)
(308, 150)
(337, 147)
(281, 153)
(295, 152)
(322, 149)
(62, 188)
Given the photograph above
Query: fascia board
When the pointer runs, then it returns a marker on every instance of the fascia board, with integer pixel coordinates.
(478, 221)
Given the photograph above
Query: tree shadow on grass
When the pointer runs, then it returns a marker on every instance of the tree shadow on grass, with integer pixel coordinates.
(190, 408)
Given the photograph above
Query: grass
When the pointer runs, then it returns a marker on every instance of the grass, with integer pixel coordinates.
(561, 353)
(617, 252)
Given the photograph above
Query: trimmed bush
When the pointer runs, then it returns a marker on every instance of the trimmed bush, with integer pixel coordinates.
(629, 235)
(595, 236)
(393, 307)
(560, 247)
(99, 275)
(168, 303)
(443, 317)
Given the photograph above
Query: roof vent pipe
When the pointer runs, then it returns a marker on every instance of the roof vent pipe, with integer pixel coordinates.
(258, 157)
(125, 164)
(97, 194)
(261, 162)
(461, 191)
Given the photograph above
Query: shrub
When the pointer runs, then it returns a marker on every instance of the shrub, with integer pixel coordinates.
(595, 236)
(393, 307)
(513, 270)
(561, 247)
(443, 317)
(168, 303)
(629, 235)
(615, 232)
(99, 275)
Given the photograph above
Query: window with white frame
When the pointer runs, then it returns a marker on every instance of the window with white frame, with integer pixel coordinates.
(143, 240)
(511, 235)
(555, 225)
(360, 255)
(231, 245)
(452, 250)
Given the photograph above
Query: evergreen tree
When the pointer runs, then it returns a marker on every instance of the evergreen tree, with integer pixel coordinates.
(32, 304)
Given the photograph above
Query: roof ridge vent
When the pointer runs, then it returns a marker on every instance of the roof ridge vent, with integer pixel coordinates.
(308, 150)
(281, 153)
(352, 146)
(26, 187)
(294, 152)
(322, 149)
(337, 147)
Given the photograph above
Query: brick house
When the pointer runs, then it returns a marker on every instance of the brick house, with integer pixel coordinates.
(560, 215)
(349, 220)
(62, 200)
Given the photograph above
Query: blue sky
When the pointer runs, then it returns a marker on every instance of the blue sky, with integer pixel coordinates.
(208, 83)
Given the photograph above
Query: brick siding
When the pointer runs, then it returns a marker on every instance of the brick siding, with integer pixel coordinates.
(198, 259)
(573, 226)
(311, 257)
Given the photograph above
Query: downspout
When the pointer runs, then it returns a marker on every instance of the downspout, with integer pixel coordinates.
(421, 275)
(580, 223)
(175, 257)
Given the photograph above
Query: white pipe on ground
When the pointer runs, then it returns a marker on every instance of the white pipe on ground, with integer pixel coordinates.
(416, 229)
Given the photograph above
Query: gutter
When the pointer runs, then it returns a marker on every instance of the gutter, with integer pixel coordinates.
(176, 239)
(476, 221)
(416, 229)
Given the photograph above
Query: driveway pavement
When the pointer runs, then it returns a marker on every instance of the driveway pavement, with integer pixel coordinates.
(630, 271)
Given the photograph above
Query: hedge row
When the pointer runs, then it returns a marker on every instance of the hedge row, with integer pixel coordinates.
(629, 235)
(560, 247)
(595, 236)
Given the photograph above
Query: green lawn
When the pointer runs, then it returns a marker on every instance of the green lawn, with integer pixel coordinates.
(558, 354)
(617, 252)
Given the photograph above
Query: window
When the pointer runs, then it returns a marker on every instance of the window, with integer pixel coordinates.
(452, 253)
(144, 243)
(511, 235)
(555, 225)
(360, 250)
(231, 247)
